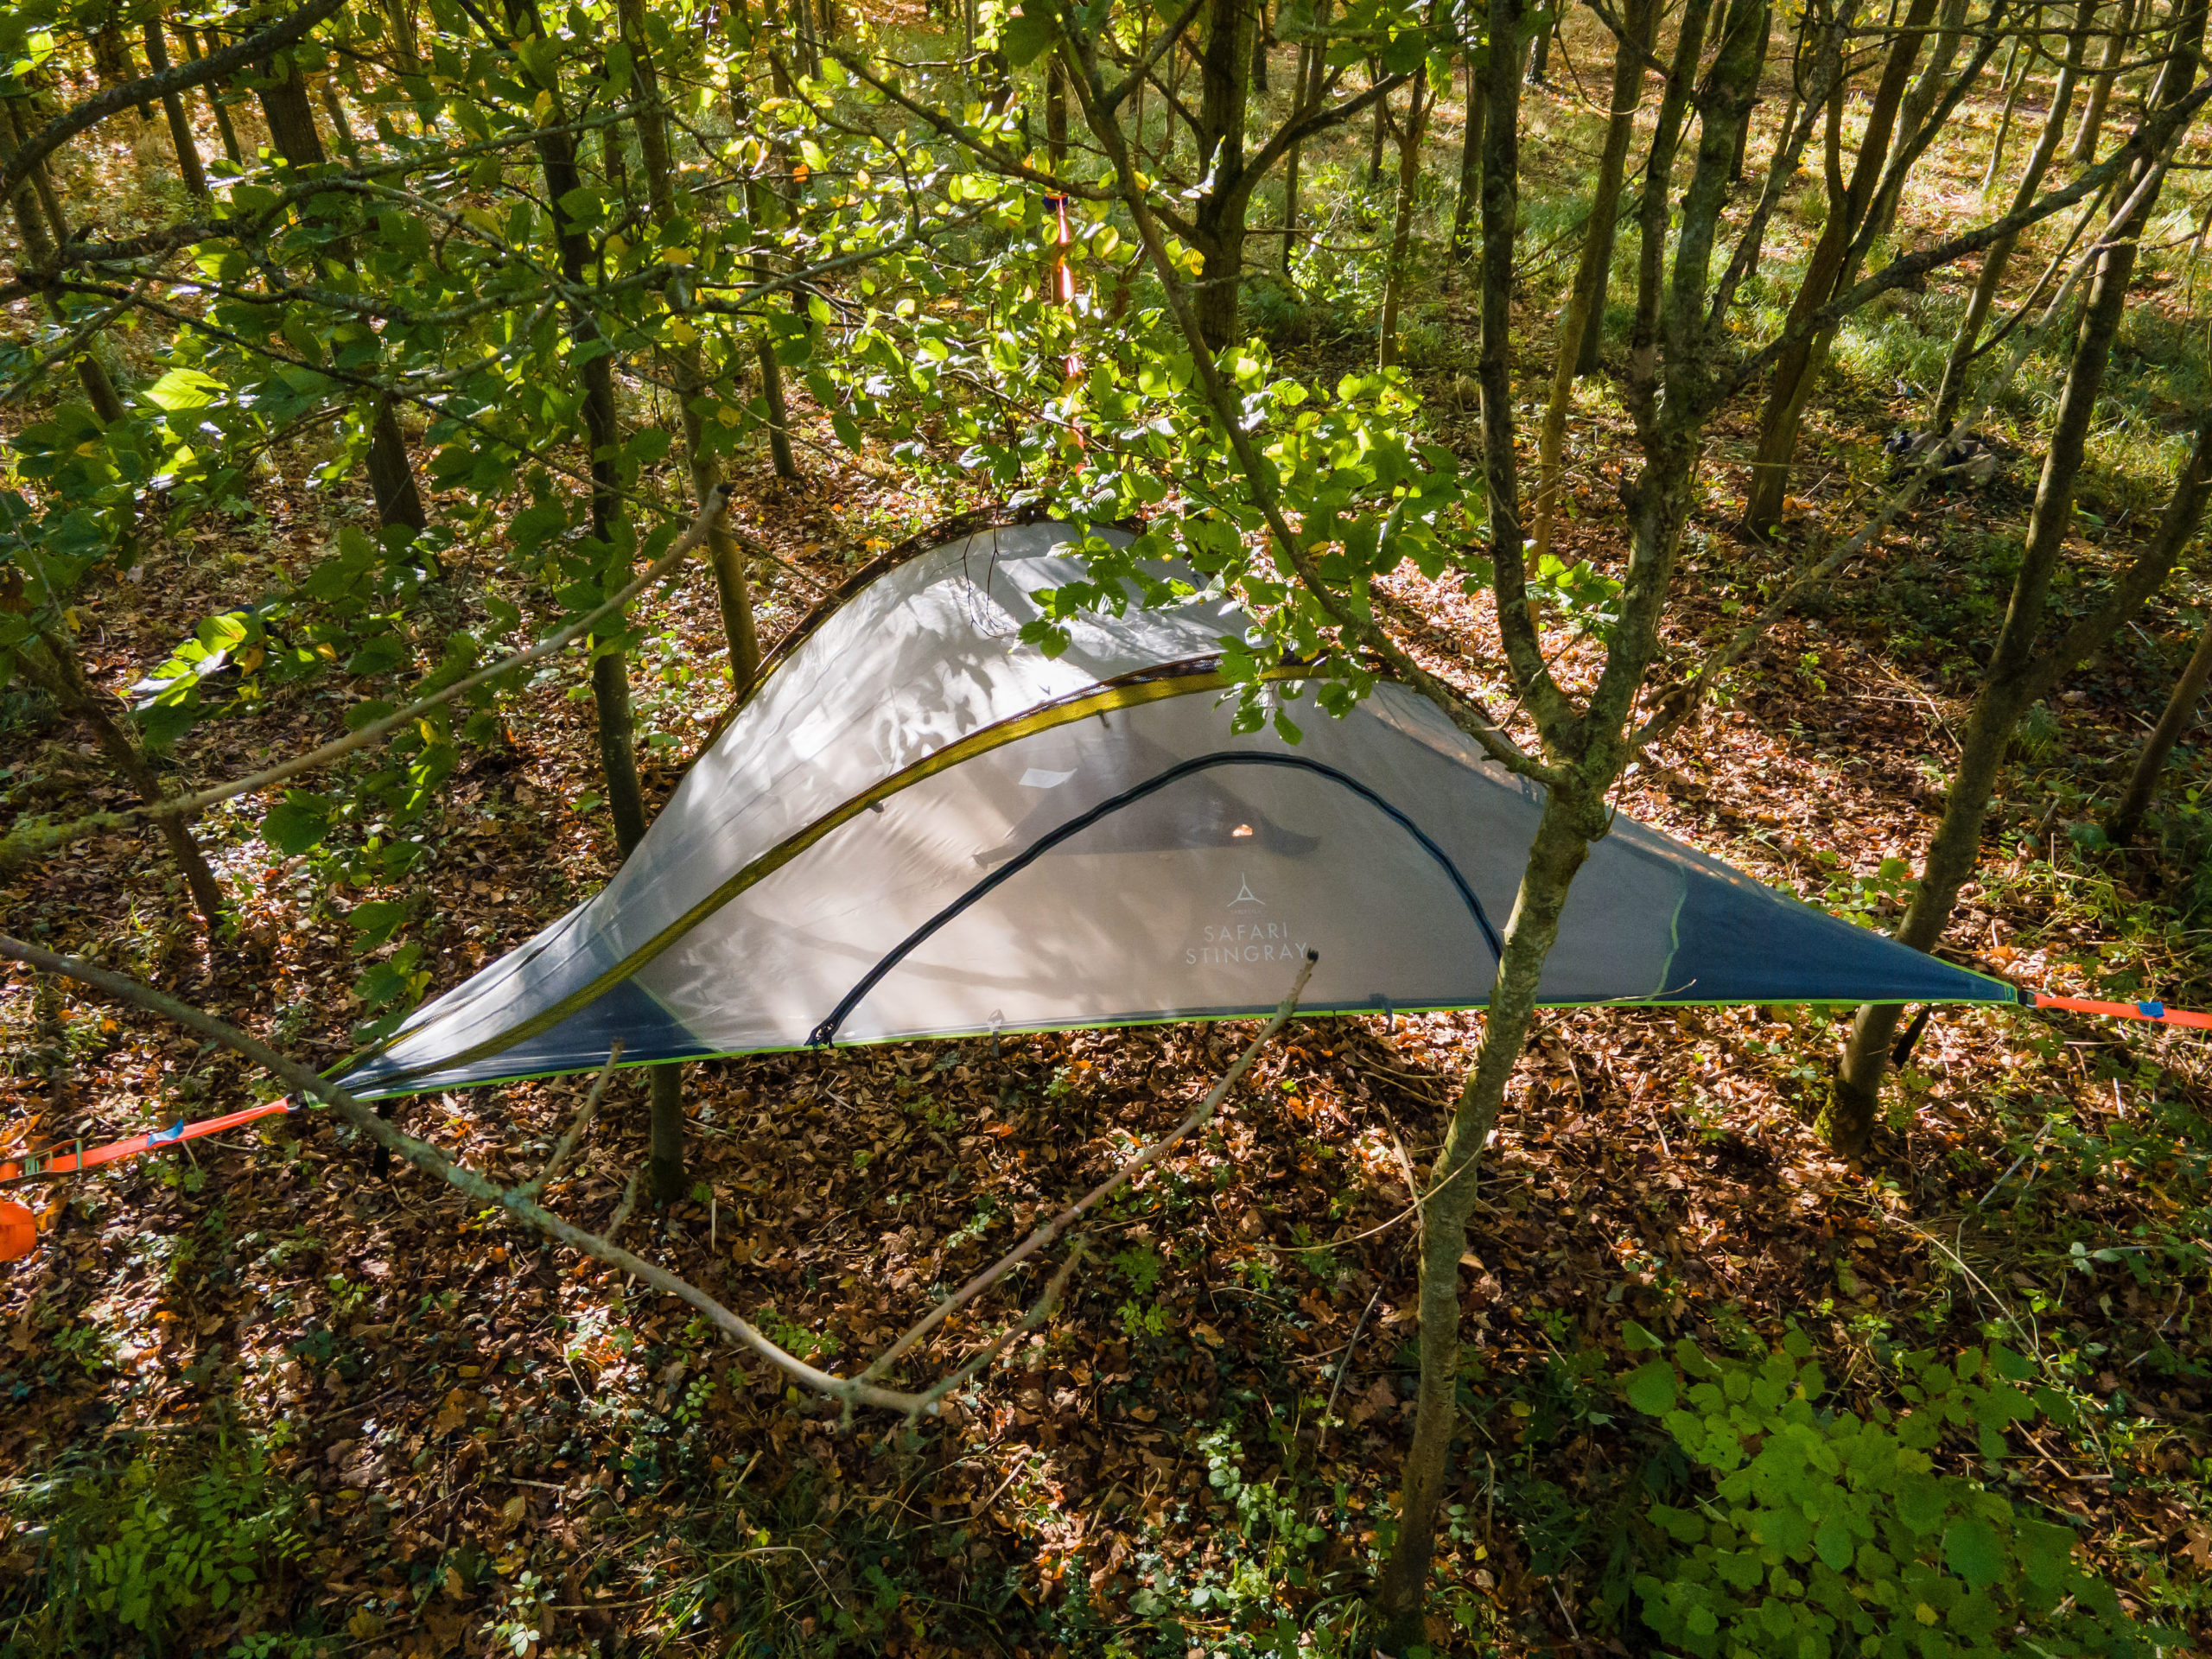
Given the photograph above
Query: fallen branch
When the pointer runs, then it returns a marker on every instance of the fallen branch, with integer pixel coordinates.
(566, 1143)
(425, 1157)
(521, 1202)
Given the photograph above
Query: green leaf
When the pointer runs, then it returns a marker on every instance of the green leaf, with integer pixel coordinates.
(646, 446)
(1973, 1550)
(183, 389)
(297, 822)
(1922, 1501)
(377, 921)
(1832, 1542)
(1026, 34)
(1651, 1388)
(378, 656)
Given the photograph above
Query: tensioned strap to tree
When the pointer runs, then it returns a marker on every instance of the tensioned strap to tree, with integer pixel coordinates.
(54, 1161)
(2154, 1011)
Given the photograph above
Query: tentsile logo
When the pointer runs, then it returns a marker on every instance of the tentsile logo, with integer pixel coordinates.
(1244, 893)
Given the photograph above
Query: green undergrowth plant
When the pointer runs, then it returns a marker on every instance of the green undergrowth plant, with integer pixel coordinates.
(1815, 1531)
(160, 1549)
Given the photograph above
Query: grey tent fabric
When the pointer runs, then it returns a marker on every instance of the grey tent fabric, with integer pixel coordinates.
(922, 827)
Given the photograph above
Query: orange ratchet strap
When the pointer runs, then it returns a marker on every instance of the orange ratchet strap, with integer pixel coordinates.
(2154, 1011)
(55, 1161)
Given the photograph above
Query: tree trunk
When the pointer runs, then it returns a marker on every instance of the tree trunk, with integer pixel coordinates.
(610, 676)
(1290, 161)
(292, 132)
(1401, 222)
(1263, 38)
(187, 151)
(1788, 109)
(610, 686)
(1574, 812)
(691, 381)
(1540, 56)
(214, 91)
(1620, 131)
(1994, 263)
(1912, 115)
(1382, 130)
(291, 115)
(1589, 274)
(2093, 118)
(763, 348)
(2016, 73)
(665, 1162)
(40, 250)
(335, 107)
(112, 57)
(1056, 114)
(2181, 710)
(1796, 369)
(1501, 196)
(1461, 248)
(1559, 849)
(391, 476)
(2016, 674)
(1225, 72)
(20, 118)
(57, 672)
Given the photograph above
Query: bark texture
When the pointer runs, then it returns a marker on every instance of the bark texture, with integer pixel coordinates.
(1585, 295)
(188, 150)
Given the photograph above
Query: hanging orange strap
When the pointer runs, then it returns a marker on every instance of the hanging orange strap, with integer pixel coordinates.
(2155, 1011)
(55, 1161)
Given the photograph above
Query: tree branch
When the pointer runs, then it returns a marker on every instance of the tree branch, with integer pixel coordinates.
(175, 79)
(515, 1201)
(29, 839)
(2148, 140)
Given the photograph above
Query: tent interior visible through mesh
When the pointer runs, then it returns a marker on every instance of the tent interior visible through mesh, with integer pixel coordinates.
(921, 827)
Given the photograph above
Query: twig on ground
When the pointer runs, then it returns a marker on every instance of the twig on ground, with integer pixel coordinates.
(1044, 1235)
(1329, 1411)
(566, 1143)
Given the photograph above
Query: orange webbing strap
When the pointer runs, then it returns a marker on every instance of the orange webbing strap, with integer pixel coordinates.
(2154, 1011)
(53, 1162)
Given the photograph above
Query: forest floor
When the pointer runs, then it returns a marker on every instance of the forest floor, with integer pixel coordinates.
(411, 1431)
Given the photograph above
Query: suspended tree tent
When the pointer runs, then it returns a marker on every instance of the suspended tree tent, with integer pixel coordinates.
(922, 827)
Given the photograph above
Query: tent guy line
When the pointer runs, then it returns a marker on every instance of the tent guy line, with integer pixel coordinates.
(54, 1161)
